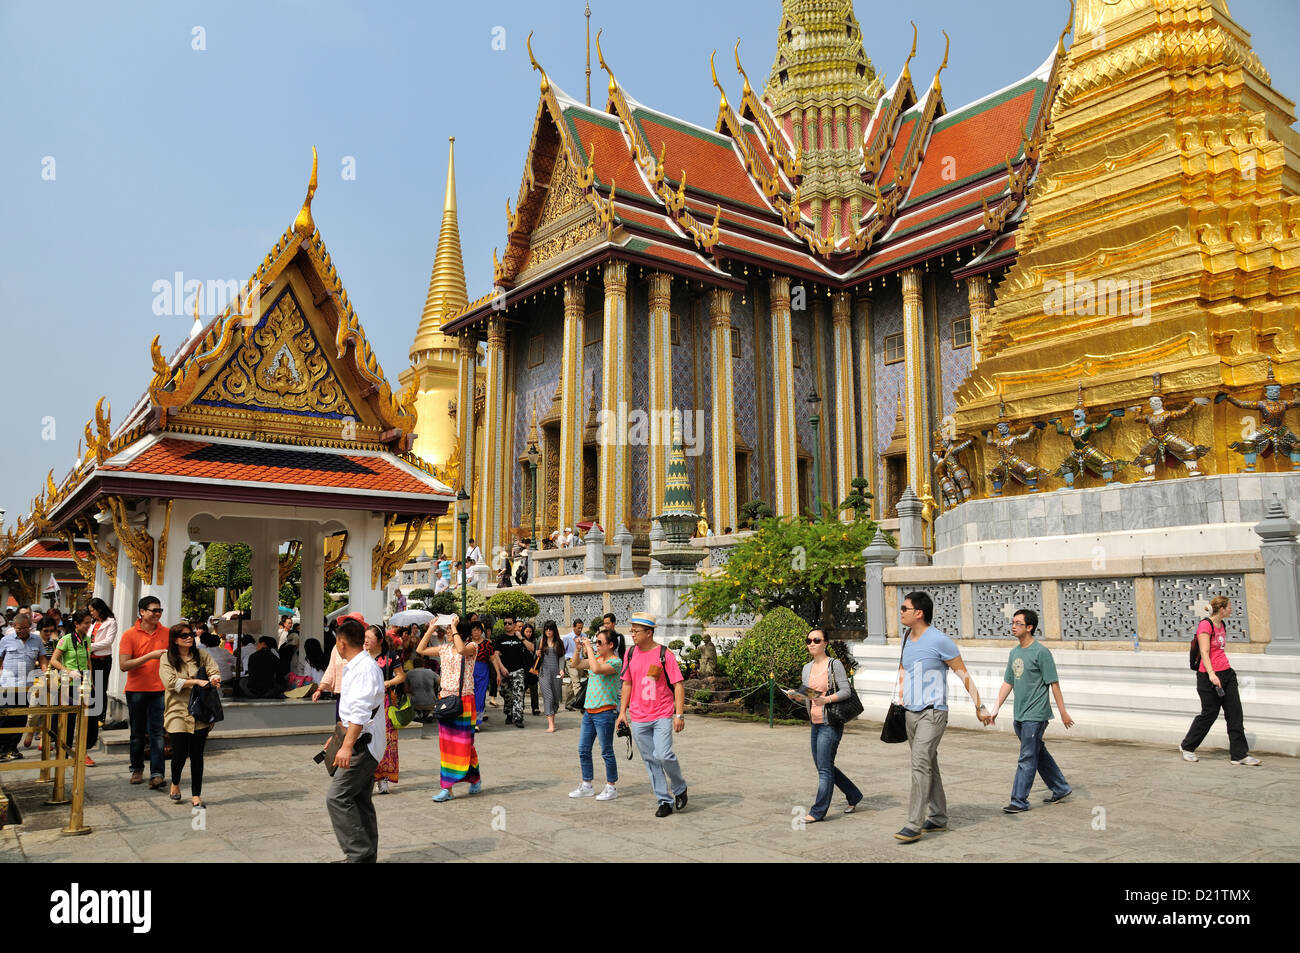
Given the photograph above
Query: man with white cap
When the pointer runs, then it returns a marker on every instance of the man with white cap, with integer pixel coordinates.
(653, 696)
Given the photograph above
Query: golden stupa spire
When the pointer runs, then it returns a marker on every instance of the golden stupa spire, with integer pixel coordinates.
(447, 292)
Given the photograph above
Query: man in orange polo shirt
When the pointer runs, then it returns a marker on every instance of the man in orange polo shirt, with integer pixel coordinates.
(142, 646)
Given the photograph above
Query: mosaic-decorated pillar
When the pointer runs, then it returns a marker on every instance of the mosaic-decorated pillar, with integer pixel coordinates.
(572, 403)
(862, 321)
(497, 432)
(846, 444)
(724, 411)
(915, 410)
(785, 495)
(979, 294)
(659, 373)
(613, 491)
(466, 367)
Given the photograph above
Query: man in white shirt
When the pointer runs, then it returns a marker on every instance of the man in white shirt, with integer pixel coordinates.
(440, 583)
(474, 554)
(361, 703)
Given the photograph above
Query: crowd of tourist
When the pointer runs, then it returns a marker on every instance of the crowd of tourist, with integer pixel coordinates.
(381, 678)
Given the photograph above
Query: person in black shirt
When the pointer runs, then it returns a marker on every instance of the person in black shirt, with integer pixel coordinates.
(262, 680)
(515, 653)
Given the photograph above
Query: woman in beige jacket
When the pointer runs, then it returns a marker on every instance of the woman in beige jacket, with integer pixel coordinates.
(181, 669)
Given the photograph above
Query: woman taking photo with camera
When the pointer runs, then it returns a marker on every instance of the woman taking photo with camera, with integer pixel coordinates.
(825, 682)
(458, 758)
(600, 707)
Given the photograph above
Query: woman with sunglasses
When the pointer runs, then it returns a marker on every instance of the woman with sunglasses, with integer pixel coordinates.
(604, 660)
(815, 694)
(182, 668)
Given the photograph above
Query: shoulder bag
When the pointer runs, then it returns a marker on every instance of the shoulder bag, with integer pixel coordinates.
(205, 702)
(449, 707)
(842, 712)
(894, 730)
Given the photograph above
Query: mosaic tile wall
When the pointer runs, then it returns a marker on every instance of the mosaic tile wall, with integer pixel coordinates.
(829, 399)
(954, 365)
(745, 390)
(764, 463)
(533, 386)
(886, 319)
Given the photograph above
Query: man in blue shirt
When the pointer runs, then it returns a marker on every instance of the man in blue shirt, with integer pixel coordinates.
(1030, 671)
(928, 656)
(22, 654)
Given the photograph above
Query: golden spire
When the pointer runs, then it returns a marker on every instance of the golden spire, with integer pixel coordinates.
(447, 292)
(303, 224)
(587, 14)
(722, 104)
(938, 86)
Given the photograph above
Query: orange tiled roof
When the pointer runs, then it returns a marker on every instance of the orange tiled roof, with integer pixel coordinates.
(711, 164)
(190, 459)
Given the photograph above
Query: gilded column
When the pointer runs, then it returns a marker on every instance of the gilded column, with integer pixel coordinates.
(659, 367)
(494, 494)
(979, 294)
(613, 492)
(466, 378)
(867, 399)
(915, 410)
(573, 410)
(846, 444)
(785, 495)
(724, 412)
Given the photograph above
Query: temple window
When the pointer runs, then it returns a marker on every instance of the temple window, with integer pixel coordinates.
(893, 348)
(961, 332)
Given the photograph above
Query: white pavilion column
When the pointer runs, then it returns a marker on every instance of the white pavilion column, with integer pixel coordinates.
(364, 532)
(126, 595)
(846, 418)
(659, 369)
(572, 403)
(312, 586)
(785, 496)
(167, 527)
(265, 570)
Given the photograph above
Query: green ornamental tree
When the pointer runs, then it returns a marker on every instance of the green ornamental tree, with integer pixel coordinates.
(788, 561)
(512, 602)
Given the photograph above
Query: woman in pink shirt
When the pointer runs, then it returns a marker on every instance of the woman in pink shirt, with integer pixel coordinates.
(1216, 683)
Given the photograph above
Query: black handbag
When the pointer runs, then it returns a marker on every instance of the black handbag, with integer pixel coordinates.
(842, 712)
(205, 702)
(449, 707)
(894, 730)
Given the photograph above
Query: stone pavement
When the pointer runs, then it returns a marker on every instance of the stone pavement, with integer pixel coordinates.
(749, 785)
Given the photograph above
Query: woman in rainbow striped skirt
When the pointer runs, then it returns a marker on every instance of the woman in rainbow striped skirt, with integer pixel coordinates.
(457, 755)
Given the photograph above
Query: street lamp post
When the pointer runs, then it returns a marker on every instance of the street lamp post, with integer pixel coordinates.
(462, 514)
(815, 405)
(533, 457)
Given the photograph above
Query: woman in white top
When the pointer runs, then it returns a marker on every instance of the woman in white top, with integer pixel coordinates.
(103, 642)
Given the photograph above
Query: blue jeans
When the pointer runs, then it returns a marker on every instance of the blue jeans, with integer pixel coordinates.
(146, 714)
(825, 742)
(598, 724)
(654, 739)
(1034, 759)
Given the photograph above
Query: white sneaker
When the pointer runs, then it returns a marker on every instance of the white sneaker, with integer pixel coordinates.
(583, 790)
(1189, 755)
(1248, 760)
(608, 794)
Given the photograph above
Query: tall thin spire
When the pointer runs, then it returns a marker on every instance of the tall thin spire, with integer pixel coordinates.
(587, 14)
(447, 292)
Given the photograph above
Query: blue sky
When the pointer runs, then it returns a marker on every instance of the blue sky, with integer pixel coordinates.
(167, 158)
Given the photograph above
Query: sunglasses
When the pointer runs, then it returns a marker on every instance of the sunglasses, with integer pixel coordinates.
(157, 611)
(813, 641)
(185, 635)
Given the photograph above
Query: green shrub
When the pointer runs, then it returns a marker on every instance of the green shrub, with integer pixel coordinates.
(704, 696)
(448, 601)
(424, 595)
(774, 646)
(512, 602)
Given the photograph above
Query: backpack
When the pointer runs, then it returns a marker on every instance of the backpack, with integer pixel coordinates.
(663, 655)
(1194, 650)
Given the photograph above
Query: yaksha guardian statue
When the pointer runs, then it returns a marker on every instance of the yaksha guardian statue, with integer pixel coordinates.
(1164, 445)
(954, 479)
(1084, 456)
(1272, 436)
(1010, 464)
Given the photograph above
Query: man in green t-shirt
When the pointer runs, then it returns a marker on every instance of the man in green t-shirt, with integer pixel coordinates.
(1030, 670)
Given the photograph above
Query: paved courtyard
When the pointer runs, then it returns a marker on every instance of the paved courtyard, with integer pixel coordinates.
(749, 785)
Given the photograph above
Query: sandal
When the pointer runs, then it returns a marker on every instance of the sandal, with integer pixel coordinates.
(175, 797)
(201, 805)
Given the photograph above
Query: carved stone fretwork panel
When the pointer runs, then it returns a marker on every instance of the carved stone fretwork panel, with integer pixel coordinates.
(281, 366)
(848, 606)
(550, 607)
(1183, 601)
(574, 566)
(947, 609)
(549, 567)
(586, 607)
(1096, 609)
(718, 556)
(996, 602)
(733, 620)
(624, 605)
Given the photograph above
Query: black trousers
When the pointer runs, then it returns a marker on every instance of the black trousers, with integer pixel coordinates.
(186, 745)
(1210, 705)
